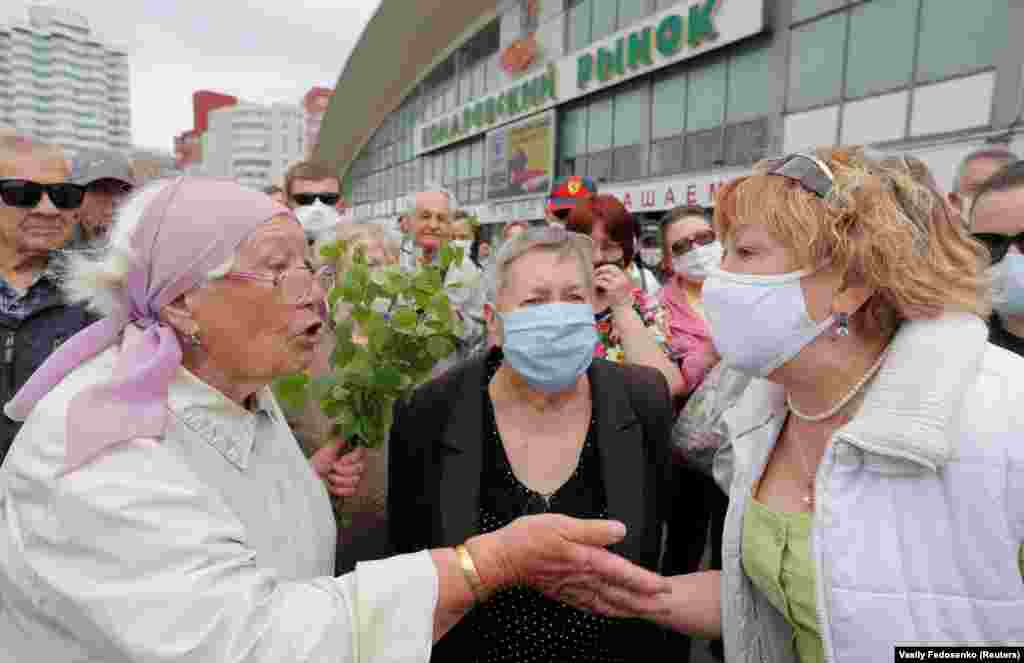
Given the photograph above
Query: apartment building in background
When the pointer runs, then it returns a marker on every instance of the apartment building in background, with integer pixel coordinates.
(253, 143)
(188, 146)
(62, 83)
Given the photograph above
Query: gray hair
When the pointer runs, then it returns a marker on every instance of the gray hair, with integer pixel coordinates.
(431, 187)
(96, 278)
(1000, 154)
(557, 240)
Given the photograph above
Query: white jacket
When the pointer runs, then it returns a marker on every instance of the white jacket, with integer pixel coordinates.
(214, 543)
(920, 504)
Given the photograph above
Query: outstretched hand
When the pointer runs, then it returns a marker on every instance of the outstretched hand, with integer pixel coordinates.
(565, 559)
(340, 470)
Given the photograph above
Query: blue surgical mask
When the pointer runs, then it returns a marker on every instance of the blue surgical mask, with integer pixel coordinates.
(1008, 295)
(550, 345)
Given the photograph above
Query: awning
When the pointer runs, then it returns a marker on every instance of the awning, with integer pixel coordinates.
(401, 44)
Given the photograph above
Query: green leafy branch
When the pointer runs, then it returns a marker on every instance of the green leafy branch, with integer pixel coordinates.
(408, 325)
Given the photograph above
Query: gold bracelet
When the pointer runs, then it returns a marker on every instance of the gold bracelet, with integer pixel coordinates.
(470, 572)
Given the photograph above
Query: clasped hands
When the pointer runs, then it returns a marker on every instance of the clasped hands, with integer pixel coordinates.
(340, 470)
(565, 559)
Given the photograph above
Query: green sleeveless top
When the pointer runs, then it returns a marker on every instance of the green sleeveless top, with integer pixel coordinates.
(776, 552)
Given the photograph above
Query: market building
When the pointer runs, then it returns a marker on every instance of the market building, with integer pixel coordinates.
(658, 101)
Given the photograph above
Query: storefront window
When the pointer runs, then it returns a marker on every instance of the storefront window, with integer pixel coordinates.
(632, 116)
(705, 99)
(805, 9)
(669, 105)
(599, 134)
(630, 163)
(631, 11)
(881, 49)
(746, 143)
(750, 85)
(816, 62)
(599, 166)
(959, 37)
(667, 156)
(572, 135)
(702, 149)
(604, 19)
(580, 22)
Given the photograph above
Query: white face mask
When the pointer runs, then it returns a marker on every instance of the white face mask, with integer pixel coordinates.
(464, 244)
(316, 219)
(651, 257)
(696, 263)
(759, 323)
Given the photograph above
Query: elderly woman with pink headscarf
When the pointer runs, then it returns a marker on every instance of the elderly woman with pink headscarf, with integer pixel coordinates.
(155, 506)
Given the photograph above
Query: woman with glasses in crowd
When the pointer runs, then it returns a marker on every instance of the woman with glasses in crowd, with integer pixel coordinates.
(874, 464)
(156, 506)
(632, 325)
(538, 425)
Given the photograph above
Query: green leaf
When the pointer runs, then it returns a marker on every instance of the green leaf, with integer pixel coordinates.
(321, 387)
(387, 377)
(440, 347)
(291, 390)
(331, 251)
(459, 255)
(404, 319)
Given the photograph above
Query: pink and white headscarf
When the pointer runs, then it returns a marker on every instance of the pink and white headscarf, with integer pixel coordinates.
(193, 226)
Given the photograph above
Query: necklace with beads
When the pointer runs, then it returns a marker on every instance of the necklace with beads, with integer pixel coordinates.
(842, 402)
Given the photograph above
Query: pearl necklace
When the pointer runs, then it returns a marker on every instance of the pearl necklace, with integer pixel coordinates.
(842, 402)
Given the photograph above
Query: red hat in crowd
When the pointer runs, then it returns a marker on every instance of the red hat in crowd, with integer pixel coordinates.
(567, 191)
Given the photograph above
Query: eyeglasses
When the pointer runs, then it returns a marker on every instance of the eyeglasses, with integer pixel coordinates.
(812, 173)
(26, 194)
(683, 246)
(329, 199)
(999, 245)
(295, 286)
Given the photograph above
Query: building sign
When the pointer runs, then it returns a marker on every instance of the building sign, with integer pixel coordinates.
(683, 31)
(519, 100)
(663, 195)
(673, 34)
(520, 157)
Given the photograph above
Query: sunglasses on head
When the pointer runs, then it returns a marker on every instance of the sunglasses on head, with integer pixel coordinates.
(329, 199)
(812, 173)
(999, 245)
(26, 194)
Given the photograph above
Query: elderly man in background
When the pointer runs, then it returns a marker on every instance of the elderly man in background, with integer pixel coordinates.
(972, 172)
(430, 224)
(108, 178)
(36, 219)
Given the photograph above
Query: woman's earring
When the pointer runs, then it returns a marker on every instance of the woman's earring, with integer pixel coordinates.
(842, 325)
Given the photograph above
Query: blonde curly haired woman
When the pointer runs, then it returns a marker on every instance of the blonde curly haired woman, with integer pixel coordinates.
(874, 464)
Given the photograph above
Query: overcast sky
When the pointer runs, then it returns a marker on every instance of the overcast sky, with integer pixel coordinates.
(258, 50)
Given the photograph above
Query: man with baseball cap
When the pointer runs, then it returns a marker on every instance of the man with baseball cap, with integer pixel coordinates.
(107, 177)
(566, 192)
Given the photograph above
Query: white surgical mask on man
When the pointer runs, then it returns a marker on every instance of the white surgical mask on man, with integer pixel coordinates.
(758, 323)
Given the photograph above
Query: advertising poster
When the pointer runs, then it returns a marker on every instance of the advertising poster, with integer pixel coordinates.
(520, 158)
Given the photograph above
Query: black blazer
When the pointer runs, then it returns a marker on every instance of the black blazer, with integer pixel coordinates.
(436, 458)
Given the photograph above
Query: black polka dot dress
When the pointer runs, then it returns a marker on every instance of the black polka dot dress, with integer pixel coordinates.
(521, 625)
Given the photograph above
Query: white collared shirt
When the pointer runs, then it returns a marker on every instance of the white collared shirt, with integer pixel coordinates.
(215, 543)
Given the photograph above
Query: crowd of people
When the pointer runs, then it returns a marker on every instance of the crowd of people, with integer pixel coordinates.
(818, 378)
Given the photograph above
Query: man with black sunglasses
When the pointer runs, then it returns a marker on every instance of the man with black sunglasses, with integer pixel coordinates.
(997, 221)
(36, 207)
(313, 190)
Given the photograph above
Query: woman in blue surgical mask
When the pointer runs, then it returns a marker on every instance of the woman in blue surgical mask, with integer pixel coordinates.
(874, 464)
(537, 425)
